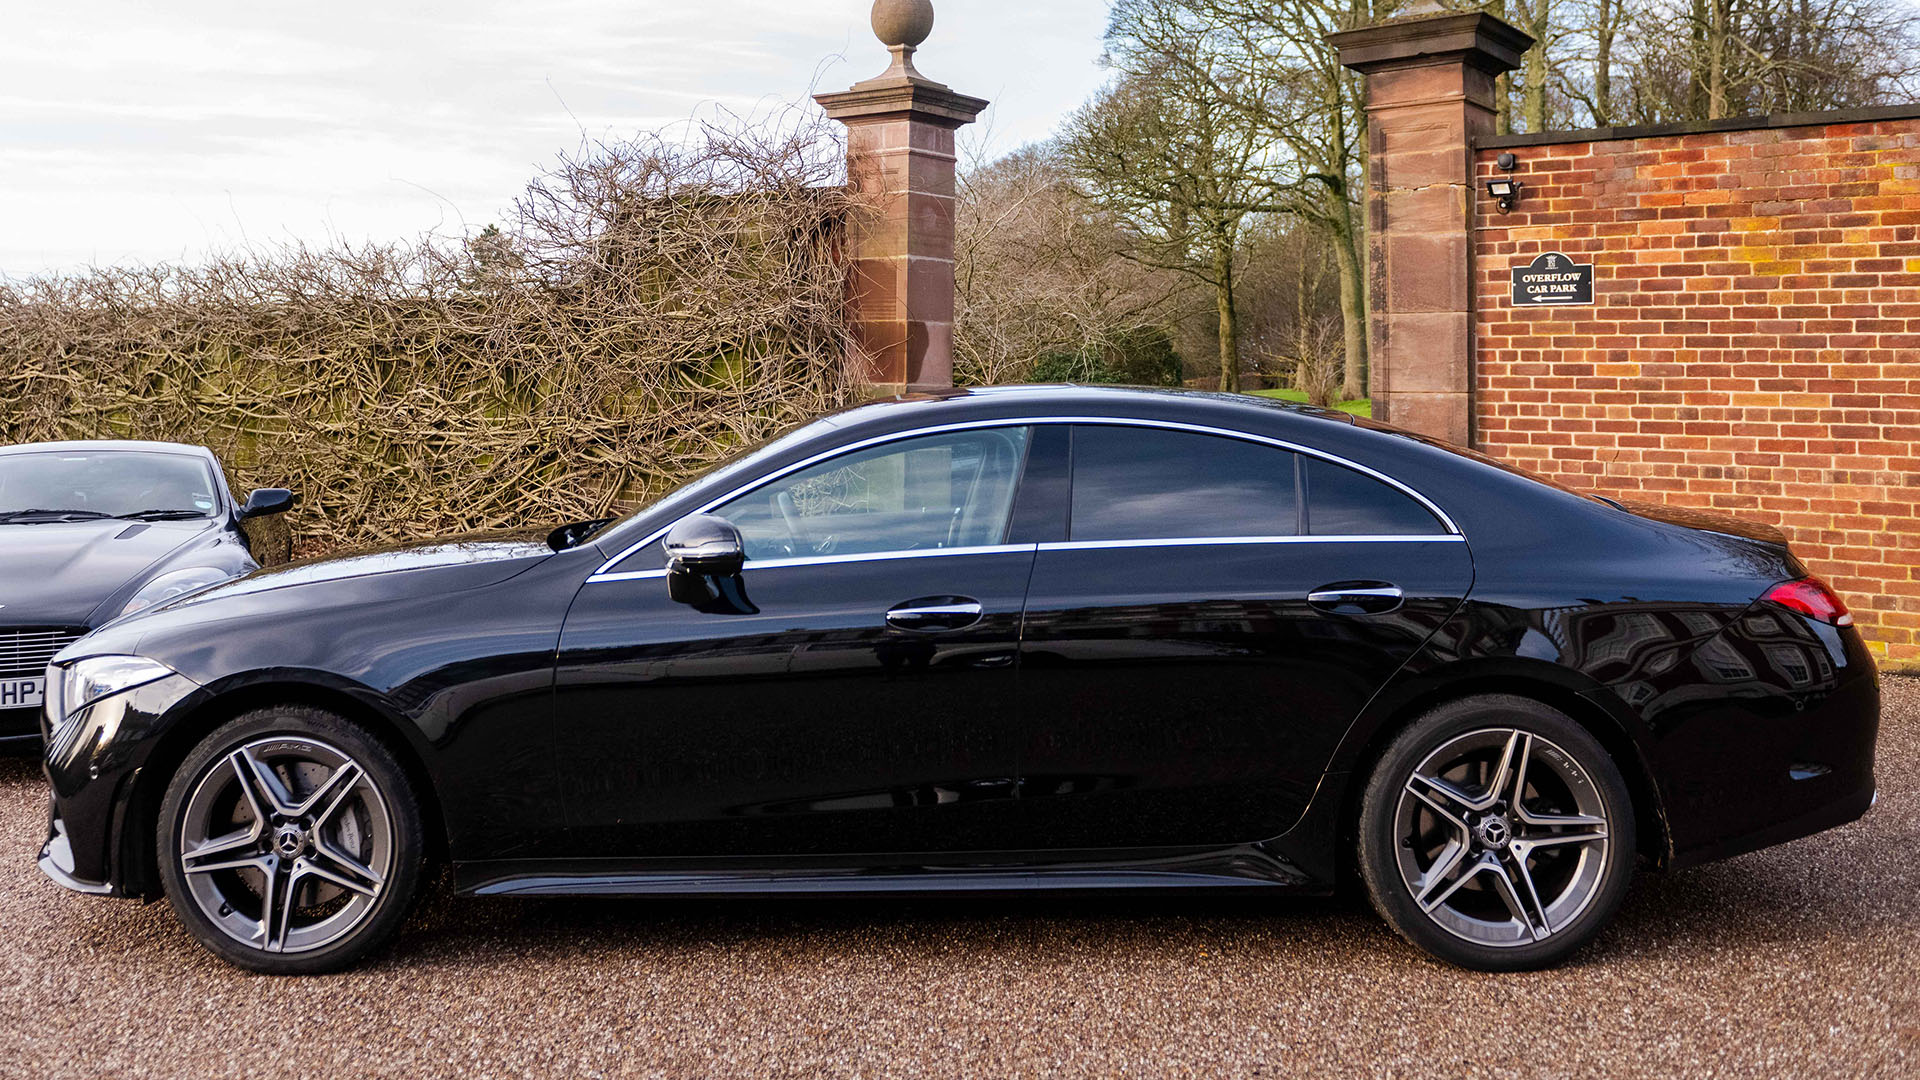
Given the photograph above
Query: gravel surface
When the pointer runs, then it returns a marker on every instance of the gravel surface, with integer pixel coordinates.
(1802, 960)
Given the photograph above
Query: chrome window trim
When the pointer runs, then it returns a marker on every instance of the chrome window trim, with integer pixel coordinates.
(824, 560)
(605, 573)
(1199, 541)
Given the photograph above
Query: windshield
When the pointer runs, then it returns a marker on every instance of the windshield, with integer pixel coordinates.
(104, 483)
(714, 480)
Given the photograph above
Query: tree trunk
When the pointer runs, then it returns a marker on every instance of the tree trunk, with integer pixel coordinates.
(1697, 61)
(1603, 63)
(1718, 34)
(1503, 83)
(1536, 65)
(1229, 319)
(1309, 373)
(1353, 306)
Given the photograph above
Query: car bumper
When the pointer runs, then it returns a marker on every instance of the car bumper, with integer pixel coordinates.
(1785, 752)
(92, 762)
(56, 860)
(19, 728)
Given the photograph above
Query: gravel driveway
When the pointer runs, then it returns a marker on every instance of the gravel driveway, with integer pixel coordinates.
(1802, 960)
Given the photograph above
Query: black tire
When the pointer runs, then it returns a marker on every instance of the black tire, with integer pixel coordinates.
(379, 807)
(1409, 843)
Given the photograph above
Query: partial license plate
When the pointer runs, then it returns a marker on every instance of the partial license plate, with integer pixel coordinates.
(23, 693)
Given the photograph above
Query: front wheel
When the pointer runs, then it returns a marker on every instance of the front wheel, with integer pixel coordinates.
(290, 842)
(1496, 834)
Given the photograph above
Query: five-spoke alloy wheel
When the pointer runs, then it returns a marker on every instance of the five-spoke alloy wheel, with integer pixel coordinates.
(1496, 833)
(290, 842)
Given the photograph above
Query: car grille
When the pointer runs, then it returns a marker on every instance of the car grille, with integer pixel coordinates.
(24, 653)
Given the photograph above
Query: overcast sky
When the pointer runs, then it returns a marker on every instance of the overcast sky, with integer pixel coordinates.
(140, 132)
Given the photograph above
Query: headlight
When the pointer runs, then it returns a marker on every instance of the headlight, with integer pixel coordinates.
(173, 583)
(86, 681)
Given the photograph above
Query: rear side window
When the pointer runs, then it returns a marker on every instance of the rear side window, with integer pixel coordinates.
(1133, 483)
(1344, 502)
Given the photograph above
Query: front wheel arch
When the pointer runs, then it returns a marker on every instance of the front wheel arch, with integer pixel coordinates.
(1654, 839)
(140, 812)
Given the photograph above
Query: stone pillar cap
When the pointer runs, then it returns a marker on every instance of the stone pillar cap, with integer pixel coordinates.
(902, 25)
(1476, 39)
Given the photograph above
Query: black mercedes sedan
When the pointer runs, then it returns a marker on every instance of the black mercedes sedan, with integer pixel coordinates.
(90, 531)
(1054, 638)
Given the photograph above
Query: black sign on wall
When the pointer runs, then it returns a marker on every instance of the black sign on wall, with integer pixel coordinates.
(1552, 279)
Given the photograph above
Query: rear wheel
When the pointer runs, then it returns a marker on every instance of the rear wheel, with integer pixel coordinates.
(1496, 833)
(290, 842)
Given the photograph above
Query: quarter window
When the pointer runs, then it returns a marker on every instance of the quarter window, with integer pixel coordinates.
(951, 490)
(1345, 502)
(1133, 483)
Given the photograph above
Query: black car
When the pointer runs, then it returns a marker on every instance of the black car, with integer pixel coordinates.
(91, 531)
(989, 641)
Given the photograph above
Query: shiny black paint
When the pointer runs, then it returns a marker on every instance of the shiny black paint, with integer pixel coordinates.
(808, 726)
(1190, 694)
(1162, 716)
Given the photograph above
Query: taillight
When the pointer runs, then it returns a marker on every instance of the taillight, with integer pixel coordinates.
(1812, 598)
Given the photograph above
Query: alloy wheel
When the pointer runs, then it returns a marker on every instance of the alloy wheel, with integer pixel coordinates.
(286, 844)
(1503, 837)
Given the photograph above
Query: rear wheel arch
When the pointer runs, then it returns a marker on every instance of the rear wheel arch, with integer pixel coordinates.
(141, 809)
(1362, 754)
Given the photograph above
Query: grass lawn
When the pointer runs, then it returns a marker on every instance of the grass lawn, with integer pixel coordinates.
(1358, 407)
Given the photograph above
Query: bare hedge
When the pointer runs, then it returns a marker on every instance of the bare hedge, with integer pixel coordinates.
(651, 307)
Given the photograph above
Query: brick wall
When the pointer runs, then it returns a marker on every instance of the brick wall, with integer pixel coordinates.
(1754, 347)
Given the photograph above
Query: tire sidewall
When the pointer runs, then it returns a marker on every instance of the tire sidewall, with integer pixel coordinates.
(1378, 854)
(386, 774)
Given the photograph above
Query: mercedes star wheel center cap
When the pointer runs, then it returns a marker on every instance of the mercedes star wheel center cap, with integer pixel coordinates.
(289, 839)
(1493, 832)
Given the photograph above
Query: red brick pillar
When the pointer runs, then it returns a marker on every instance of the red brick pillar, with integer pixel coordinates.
(1429, 92)
(900, 155)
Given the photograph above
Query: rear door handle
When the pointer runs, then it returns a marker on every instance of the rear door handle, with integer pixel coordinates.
(1357, 598)
(935, 614)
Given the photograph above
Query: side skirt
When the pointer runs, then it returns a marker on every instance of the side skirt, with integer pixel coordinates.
(1236, 869)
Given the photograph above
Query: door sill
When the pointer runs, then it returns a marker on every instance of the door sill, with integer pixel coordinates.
(1237, 869)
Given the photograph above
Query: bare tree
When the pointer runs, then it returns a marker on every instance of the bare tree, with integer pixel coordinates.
(1292, 303)
(1169, 157)
(1042, 270)
(1270, 62)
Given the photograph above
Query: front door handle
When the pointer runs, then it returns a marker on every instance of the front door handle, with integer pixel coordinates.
(1357, 598)
(935, 614)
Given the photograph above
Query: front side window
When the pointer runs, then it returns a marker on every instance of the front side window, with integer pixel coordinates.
(1135, 483)
(952, 490)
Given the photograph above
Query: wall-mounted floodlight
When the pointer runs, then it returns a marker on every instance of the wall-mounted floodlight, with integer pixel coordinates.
(1507, 190)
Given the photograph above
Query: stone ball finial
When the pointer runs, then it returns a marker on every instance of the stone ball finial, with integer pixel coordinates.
(902, 23)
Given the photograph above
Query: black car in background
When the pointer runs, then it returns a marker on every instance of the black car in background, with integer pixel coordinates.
(984, 641)
(91, 531)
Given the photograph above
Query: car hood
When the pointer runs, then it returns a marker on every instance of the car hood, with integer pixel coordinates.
(58, 573)
(472, 561)
(283, 593)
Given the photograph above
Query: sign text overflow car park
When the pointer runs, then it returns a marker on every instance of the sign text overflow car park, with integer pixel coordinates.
(1552, 278)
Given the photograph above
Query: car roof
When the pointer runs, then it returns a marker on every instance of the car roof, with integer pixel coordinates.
(1058, 398)
(118, 445)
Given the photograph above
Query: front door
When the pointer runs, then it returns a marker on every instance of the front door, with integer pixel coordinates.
(861, 700)
(1220, 613)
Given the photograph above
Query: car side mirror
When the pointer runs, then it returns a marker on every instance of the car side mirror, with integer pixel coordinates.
(266, 502)
(705, 555)
(705, 545)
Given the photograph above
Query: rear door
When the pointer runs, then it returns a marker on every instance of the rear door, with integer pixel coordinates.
(1221, 610)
